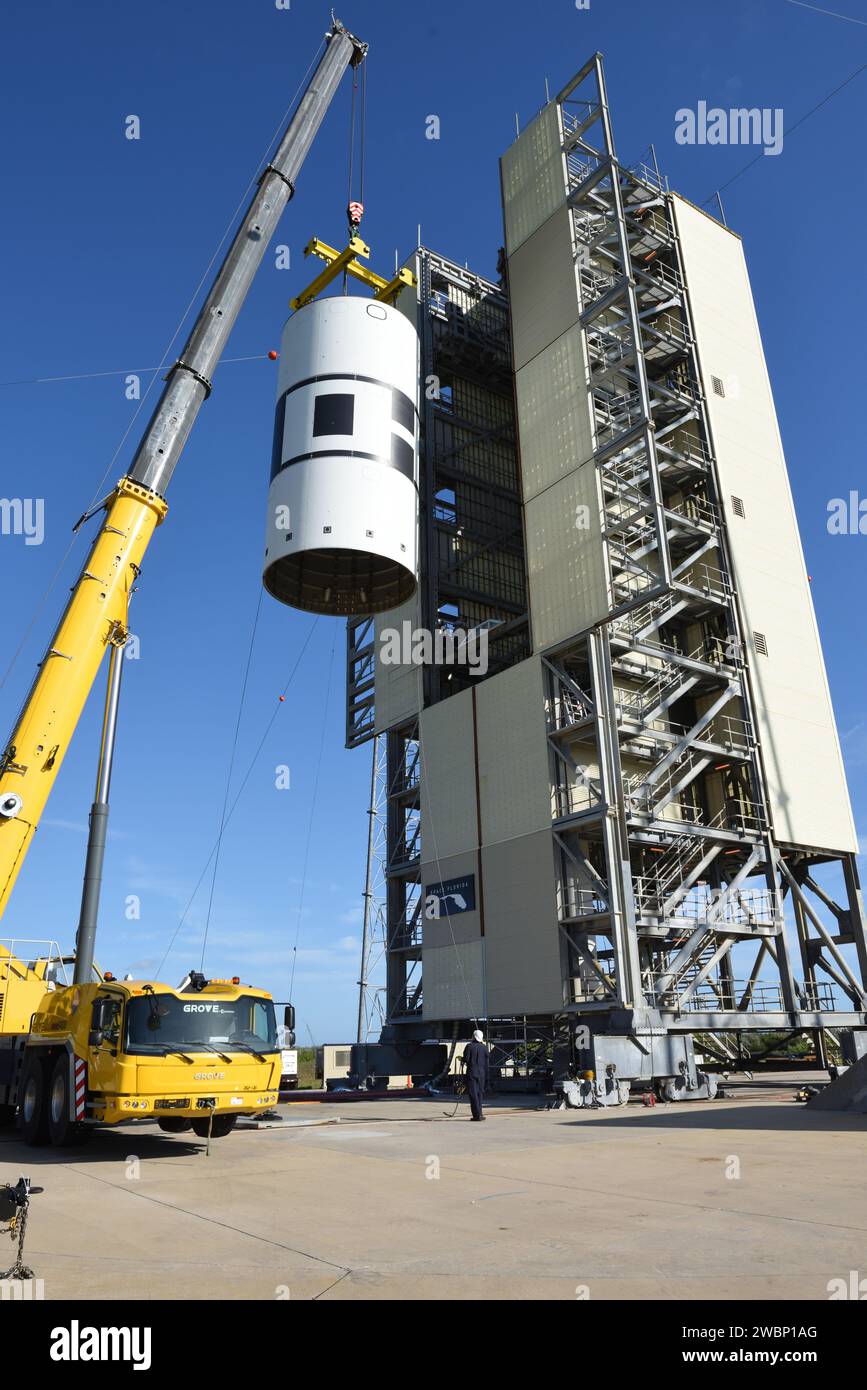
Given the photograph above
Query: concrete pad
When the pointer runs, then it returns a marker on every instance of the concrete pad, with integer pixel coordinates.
(750, 1197)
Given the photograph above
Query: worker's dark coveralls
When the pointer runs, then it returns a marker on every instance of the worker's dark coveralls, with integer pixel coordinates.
(476, 1064)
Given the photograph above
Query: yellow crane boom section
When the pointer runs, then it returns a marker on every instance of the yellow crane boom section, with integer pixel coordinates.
(96, 614)
(95, 617)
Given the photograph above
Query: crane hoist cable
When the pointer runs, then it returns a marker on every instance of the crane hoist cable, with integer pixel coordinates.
(244, 781)
(43, 599)
(361, 141)
(312, 816)
(229, 773)
(355, 206)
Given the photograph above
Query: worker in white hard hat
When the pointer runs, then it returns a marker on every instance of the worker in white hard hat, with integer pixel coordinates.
(476, 1070)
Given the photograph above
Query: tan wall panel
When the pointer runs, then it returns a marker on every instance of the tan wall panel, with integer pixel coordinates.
(533, 177)
(448, 779)
(554, 413)
(542, 288)
(796, 721)
(453, 982)
(522, 939)
(395, 688)
(565, 562)
(520, 957)
(513, 753)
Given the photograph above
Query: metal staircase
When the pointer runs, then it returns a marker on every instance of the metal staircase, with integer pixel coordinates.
(658, 786)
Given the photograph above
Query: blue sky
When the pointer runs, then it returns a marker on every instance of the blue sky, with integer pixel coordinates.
(106, 239)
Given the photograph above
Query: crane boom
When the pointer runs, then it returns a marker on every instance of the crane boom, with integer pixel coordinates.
(96, 612)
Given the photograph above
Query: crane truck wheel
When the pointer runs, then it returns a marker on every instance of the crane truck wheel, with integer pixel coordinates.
(34, 1100)
(175, 1126)
(62, 1129)
(221, 1125)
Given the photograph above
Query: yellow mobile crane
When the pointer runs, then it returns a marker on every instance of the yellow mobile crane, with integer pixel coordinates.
(98, 1050)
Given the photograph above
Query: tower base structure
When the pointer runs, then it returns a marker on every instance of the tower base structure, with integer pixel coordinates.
(624, 849)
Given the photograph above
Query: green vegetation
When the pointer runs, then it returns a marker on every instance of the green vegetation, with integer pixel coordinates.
(778, 1045)
(306, 1069)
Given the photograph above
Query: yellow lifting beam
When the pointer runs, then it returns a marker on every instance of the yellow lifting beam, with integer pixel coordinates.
(386, 291)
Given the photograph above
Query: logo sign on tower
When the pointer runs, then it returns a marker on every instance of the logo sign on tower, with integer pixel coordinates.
(450, 897)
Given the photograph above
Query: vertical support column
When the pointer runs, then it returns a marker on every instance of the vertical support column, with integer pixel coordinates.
(782, 954)
(647, 435)
(85, 938)
(614, 835)
(857, 920)
(809, 974)
(726, 980)
(363, 983)
(395, 891)
(802, 933)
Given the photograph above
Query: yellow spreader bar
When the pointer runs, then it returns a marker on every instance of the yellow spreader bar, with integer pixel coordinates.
(386, 291)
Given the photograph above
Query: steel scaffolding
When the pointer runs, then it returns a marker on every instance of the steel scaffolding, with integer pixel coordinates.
(403, 874)
(672, 887)
(473, 568)
(668, 867)
(374, 936)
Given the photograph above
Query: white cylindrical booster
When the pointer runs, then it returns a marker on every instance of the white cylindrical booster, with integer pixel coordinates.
(343, 505)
